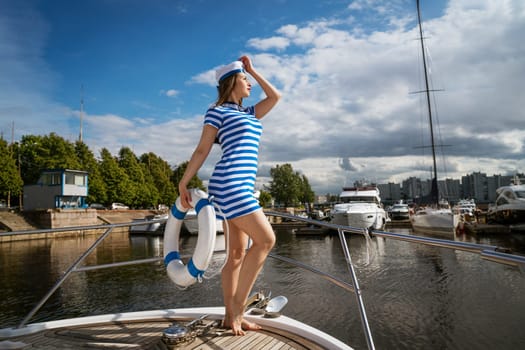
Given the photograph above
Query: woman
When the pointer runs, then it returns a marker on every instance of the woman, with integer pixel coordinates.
(238, 130)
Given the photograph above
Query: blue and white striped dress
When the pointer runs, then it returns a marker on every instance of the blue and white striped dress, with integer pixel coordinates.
(233, 180)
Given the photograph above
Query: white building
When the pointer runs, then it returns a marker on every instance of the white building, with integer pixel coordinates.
(57, 188)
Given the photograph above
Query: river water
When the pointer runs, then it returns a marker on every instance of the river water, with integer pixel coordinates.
(416, 297)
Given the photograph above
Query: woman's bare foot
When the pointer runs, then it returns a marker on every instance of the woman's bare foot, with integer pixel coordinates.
(244, 325)
(250, 326)
(236, 326)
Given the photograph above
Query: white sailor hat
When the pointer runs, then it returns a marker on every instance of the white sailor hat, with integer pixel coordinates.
(229, 70)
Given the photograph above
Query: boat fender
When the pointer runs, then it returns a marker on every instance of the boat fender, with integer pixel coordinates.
(185, 275)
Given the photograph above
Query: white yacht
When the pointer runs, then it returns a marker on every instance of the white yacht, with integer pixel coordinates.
(149, 225)
(360, 207)
(465, 207)
(433, 220)
(510, 205)
(464, 211)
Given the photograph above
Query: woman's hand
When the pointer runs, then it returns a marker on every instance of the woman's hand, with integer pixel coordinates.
(185, 197)
(247, 62)
(272, 94)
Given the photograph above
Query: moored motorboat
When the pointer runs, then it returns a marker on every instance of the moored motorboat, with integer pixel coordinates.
(466, 207)
(464, 212)
(509, 208)
(433, 220)
(360, 207)
(149, 225)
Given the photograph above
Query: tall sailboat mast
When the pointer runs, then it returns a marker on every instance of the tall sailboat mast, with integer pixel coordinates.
(434, 189)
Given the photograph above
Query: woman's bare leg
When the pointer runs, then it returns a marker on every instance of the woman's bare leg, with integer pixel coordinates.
(245, 269)
(237, 242)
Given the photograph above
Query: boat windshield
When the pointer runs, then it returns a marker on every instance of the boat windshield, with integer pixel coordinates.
(520, 194)
(364, 199)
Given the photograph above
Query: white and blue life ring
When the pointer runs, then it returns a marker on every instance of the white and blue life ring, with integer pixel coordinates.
(186, 275)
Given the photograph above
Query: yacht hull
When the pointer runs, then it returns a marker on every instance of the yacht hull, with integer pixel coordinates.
(359, 216)
(433, 221)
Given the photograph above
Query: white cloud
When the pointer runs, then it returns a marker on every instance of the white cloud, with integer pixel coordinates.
(349, 97)
(278, 43)
(207, 77)
(171, 93)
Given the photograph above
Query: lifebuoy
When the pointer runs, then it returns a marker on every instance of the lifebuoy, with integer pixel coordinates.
(186, 275)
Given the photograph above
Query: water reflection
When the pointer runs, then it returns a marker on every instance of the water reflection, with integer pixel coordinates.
(415, 296)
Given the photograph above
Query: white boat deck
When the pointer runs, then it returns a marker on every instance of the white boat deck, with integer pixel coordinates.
(144, 330)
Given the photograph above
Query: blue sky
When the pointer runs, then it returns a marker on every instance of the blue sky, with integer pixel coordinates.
(347, 71)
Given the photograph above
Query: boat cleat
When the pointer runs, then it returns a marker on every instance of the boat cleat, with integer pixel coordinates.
(178, 334)
(257, 301)
(270, 308)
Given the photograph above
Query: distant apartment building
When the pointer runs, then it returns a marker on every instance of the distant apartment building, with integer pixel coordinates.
(411, 188)
(482, 188)
(451, 189)
(390, 192)
(477, 186)
(496, 181)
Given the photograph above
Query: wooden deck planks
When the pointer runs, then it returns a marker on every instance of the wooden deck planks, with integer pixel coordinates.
(147, 335)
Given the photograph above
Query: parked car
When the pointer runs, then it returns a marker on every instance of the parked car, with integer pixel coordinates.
(163, 207)
(119, 206)
(97, 206)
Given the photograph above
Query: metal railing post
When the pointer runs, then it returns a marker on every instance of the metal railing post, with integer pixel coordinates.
(357, 290)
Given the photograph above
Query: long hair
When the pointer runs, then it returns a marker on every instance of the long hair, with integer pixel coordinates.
(225, 89)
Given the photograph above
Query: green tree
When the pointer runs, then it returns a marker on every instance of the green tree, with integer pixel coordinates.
(144, 193)
(160, 172)
(10, 180)
(96, 185)
(119, 187)
(265, 198)
(45, 152)
(332, 198)
(285, 185)
(195, 181)
(307, 194)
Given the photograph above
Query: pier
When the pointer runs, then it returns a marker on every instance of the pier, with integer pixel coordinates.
(398, 224)
(474, 228)
(56, 221)
(11, 221)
